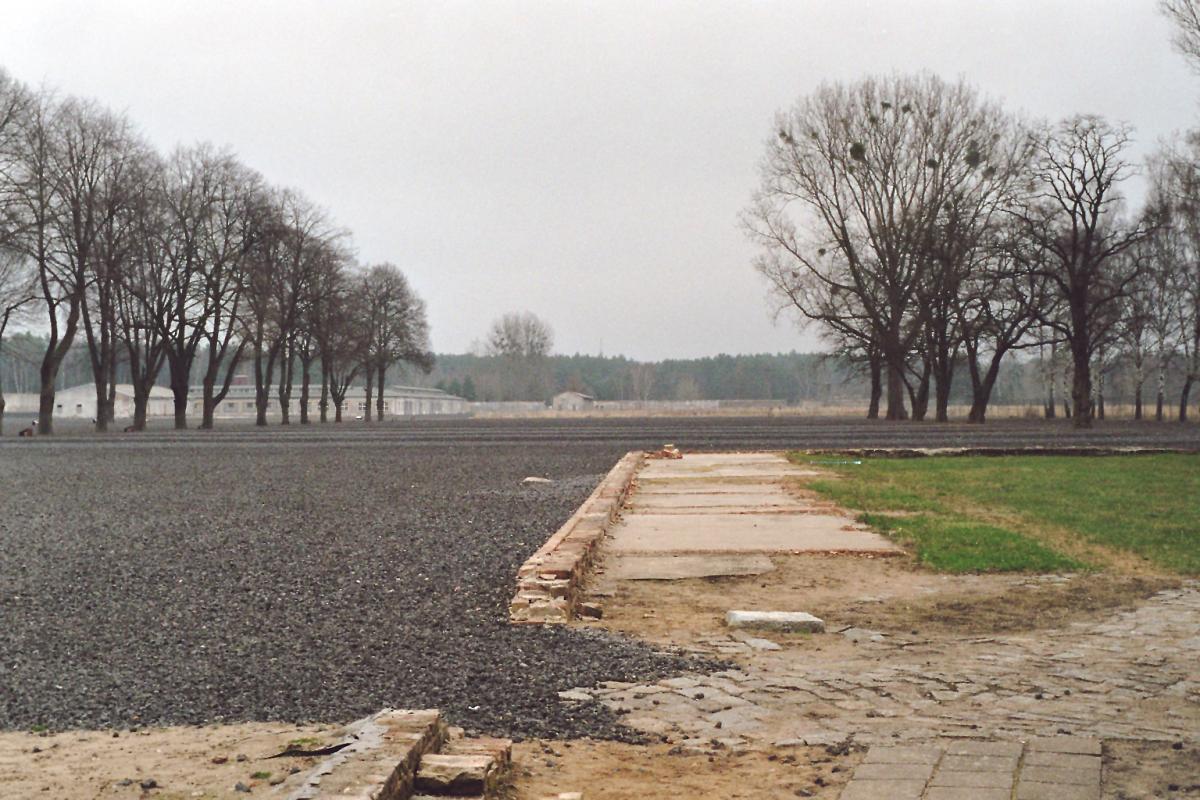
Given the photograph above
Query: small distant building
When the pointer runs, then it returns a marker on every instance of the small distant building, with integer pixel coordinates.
(572, 401)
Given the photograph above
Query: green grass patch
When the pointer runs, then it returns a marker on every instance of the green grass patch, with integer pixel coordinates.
(949, 543)
(1144, 505)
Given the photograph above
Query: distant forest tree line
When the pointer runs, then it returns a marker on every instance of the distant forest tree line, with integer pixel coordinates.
(785, 378)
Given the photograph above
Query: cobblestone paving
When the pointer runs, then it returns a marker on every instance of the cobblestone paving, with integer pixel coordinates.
(1053, 768)
(1132, 675)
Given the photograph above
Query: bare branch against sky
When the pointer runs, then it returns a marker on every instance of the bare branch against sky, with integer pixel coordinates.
(585, 161)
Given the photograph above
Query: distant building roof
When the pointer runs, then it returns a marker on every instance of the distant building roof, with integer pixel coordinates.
(411, 392)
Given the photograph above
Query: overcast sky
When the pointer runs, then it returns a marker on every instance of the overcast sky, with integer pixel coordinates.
(584, 161)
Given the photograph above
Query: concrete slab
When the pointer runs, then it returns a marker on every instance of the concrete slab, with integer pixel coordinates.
(657, 471)
(787, 621)
(728, 502)
(704, 487)
(714, 459)
(740, 533)
(680, 567)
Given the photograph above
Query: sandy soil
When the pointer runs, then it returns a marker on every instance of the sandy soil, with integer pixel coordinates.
(611, 771)
(1148, 771)
(184, 762)
(888, 594)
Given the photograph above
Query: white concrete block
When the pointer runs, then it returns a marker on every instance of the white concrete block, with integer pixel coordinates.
(789, 621)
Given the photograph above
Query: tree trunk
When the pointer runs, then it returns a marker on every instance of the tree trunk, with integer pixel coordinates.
(1139, 379)
(942, 385)
(1066, 397)
(209, 409)
(895, 393)
(379, 393)
(1183, 396)
(1160, 399)
(179, 389)
(1100, 394)
(876, 389)
(110, 407)
(141, 397)
(920, 400)
(45, 420)
(370, 392)
(1050, 406)
(285, 385)
(3, 403)
(1081, 386)
(102, 407)
(262, 388)
(982, 385)
(305, 381)
(324, 404)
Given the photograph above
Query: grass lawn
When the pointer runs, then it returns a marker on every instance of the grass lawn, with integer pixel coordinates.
(1034, 513)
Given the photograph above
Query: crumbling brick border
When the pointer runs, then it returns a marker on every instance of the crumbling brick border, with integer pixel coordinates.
(548, 583)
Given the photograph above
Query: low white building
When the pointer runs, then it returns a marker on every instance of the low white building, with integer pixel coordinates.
(572, 401)
(398, 401)
(79, 402)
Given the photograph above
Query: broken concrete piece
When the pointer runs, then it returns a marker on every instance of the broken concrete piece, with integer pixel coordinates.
(455, 775)
(591, 610)
(787, 621)
(535, 479)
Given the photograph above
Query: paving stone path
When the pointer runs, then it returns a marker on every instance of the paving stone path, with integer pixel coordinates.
(1055, 768)
(1132, 675)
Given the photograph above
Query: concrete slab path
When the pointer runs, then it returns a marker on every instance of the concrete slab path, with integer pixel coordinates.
(721, 503)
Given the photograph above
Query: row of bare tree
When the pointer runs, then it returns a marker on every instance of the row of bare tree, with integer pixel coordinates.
(925, 228)
(163, 260)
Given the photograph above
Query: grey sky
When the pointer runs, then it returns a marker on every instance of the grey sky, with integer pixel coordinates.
(585, 161)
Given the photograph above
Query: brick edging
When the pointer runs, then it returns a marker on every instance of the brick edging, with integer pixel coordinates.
(548, 582)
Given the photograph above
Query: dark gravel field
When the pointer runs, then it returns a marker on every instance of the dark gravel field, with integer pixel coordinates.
(181, 584)
(321, 573)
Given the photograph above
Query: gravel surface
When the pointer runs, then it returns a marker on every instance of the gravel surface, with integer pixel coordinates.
(178, 584)
(320, 573)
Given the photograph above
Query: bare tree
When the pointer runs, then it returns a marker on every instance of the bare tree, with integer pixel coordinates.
(1185, 14)
(344, 341)
(227, 242)
(130, 264)
(397, 328)
(1072, 222)
(338, 333)
(1000, 307)
(101, 184)
(1143, 322)
(860, 187)
(329, 279)
(34, 204)
(1177, 190)
(520, 335)
(143, 293)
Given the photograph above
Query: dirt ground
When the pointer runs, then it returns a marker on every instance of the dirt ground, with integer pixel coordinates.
(203, 763)
(611, 771)
(887, 594)
(1144, 770)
